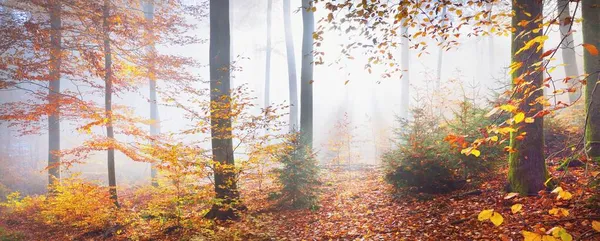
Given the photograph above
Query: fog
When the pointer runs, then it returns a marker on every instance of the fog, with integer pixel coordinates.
(370, 101)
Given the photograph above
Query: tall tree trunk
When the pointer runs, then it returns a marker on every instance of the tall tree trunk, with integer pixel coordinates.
(405, 81)
(527, 168)
(440, 54)
(232, 57)
(54, 93)
(148, 6)
(568, 48)
(291, 63)
(112, 181)
(268, 57)
(590, 12)
(220, 118)
(491, 54)
(306, 75)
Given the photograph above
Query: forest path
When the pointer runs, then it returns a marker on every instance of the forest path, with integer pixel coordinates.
(360, 205)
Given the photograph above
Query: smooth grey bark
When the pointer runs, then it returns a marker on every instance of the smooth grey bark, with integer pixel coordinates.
(440, 54)
(405, 80)
(590, 12)
(306, 74)
(220, 117)
(568, 48)
(527, 171)
(268, 57)
(112, 181)
(54, 93)
(491, 42)
(291, 63)
(148, 7)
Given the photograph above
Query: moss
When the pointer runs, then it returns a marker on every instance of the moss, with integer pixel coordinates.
(591, 35)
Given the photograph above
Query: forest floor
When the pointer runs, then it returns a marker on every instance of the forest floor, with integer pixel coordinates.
(360, 205)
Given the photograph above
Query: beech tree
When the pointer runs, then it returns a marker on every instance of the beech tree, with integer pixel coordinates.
(291, 64)
(148, 8)
(590, 11)
(268, 56)
(220, 117)
(568, 49)
(54, 93)
(306, 76)
(527, 167)
(108, 89)
(405, 86)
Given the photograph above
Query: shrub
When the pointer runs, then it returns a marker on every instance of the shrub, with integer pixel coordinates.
(421, 159)
(298, 176)
(425, 162)
(73, 203)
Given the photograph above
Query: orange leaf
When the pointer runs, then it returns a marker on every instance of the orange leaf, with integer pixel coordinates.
(591, 48)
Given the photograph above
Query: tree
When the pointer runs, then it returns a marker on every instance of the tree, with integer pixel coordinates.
(568, 48)
(291, 63)
(405, 86)
(438, 79)
(306, 75)
(54, 93)
(220, 117)
(527, 168)
(268, 57)
(108, 88)
(148, 7)
(590, 12)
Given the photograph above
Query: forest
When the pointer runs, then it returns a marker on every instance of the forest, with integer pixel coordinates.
(300, 120)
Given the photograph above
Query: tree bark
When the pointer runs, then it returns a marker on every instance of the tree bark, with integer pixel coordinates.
(112, 182)
(291, 63)
(527, 168)
(220, 118)
(405, 81)
(268, 57)
(590, 12)
(54, 93)
(568, 48)
(440, 54)
(148, 7)
(306, 75)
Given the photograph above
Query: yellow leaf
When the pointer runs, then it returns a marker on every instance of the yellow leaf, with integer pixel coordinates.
(505, 130)
(591, 49)
(531, 236)
(496, 219)
(559, 232)
(559, 212)
(566, 236)
(516, 208)
(539, 40)
(529, 120)
(514, 67)
(475, 153)
(458, 12)
(508, 108)
(596, 226)
(485, 214)
(565, 195)
(519, 117)
(494, 138)
(548, 238)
